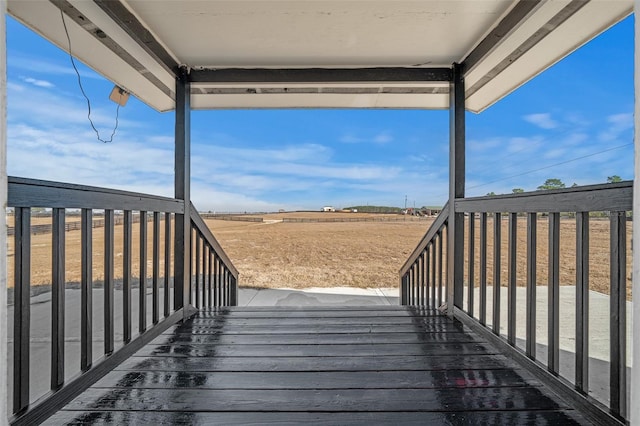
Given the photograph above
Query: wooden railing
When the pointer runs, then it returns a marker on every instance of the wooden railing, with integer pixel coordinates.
(421, 276)
(578, 208)
(215, 279)
(155, 287)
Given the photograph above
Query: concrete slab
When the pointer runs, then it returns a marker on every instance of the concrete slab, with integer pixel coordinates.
(315, 296)
(391, 294)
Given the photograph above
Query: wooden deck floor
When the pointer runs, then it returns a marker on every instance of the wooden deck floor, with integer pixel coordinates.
(358, 365)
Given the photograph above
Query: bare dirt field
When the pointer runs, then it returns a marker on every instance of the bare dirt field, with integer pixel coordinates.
(318, 254)
(297, 255)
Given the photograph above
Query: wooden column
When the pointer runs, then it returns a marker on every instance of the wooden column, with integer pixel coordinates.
(634, 409)
(182, 262)
(455, 246)
(3, 215)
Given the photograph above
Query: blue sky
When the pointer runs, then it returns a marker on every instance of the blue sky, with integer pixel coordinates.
(556, 126)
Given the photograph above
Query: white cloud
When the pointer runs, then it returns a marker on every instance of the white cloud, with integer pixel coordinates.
(380, 138)
(44, 108)
(39, 83)
(618, 123)
(39, 66)
(542, 120)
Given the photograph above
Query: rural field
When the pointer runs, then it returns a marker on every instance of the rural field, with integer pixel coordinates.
(274, 253)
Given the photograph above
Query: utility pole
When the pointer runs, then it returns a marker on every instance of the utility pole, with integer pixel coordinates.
(405, 202)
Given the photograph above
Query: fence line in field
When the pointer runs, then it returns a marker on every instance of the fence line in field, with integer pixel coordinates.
(47, 228)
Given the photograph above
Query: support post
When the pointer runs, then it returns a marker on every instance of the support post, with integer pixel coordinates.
(3, 216)
(182, 261)
(455, 232)
(634, 415)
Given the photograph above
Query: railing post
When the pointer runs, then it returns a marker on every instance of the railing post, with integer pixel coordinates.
(618, 306)
(531, 307)
(21, 308)
(455, 231)
(553, 300)
(182, 260)
(57, 298)
(582, 302)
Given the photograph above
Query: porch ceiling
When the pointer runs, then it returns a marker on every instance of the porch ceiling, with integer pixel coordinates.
(138, 44)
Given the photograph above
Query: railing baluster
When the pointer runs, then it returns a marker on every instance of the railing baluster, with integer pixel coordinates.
(582, 302)
(427, 272)
(511, 290)
(618, 325)
(423, 280)
(497, 243)
(22, 308)
(209, 276)
(86, 308)
(532, 241)
(156, 269)
(126, 275)
(483, 269)
(553, 362)
(440, 270)
(233, 299)
(414, 283)
(198, 242)
(216, 282)
(167, 263)
(472, 253)
(227, 286)
(108, 282)
(142, 318)
(57, 298)
(434, 284)
(203, 260)
(223, 298)
(409, 286)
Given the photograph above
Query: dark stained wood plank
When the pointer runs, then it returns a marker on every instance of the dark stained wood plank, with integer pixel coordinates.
(442, 327)
(315, 339)
(352, 363)
(295, 418)
(229, 314)
(316, 380)
(303, 322)
(327, 366)
(315, 350)
(451, 399)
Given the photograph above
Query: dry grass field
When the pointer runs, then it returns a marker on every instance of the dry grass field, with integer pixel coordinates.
(317, 254)
(297, 255)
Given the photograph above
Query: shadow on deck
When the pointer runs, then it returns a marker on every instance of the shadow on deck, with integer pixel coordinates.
(329, 365)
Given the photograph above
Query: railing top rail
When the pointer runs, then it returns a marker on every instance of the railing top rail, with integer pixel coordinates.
(208, 235)
(433, 229)
(603, 197)
(23, 192)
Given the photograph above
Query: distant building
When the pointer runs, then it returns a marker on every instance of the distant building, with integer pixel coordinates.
(328, 209)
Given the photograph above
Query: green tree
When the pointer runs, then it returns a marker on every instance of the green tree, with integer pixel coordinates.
(491, 194)
(552, 183)
(574, 185)
(517, 190)
(614, 179)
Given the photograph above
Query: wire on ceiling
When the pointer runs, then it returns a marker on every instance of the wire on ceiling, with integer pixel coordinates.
(73, 63)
